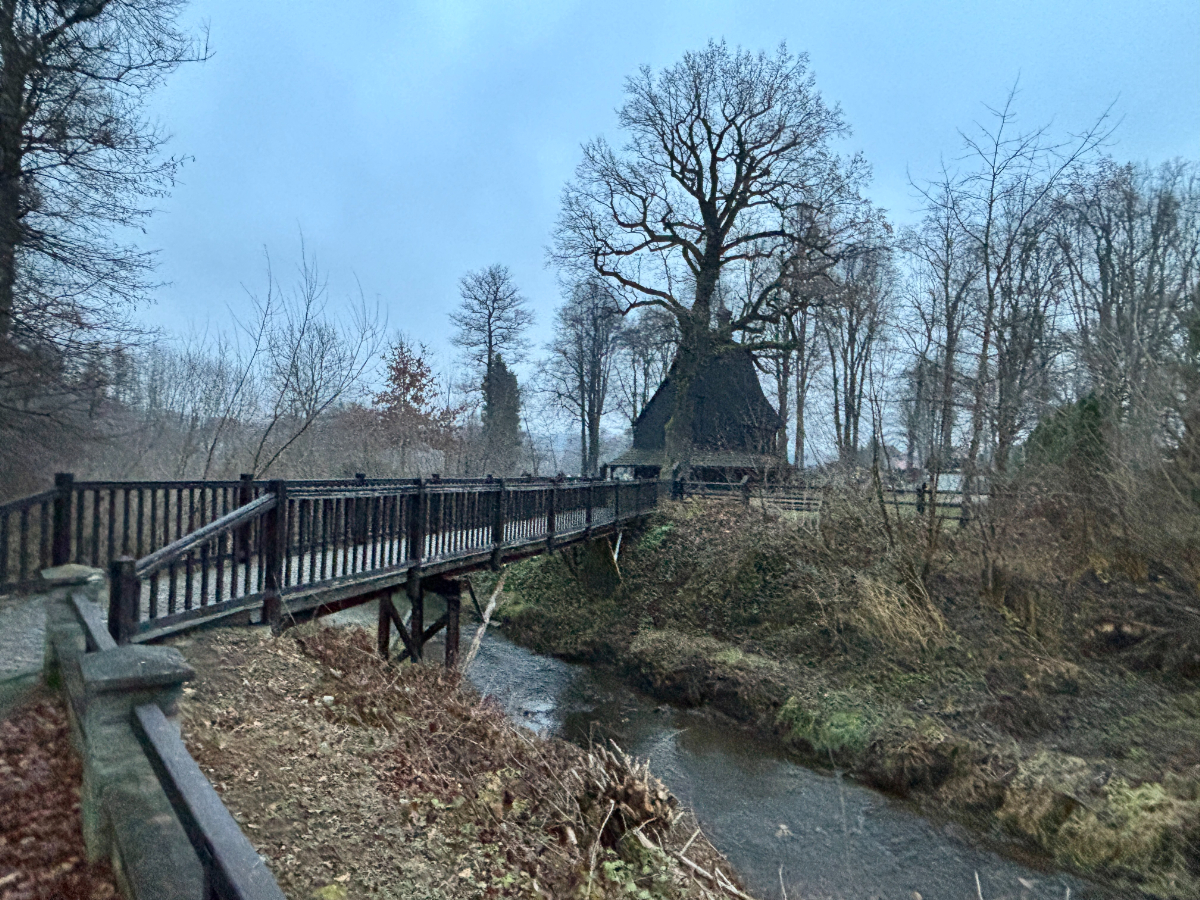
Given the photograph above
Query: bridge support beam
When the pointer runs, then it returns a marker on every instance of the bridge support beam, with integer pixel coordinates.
(450, 590)
(389, 616)
(416, 598)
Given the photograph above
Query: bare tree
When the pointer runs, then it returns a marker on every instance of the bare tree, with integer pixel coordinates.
(995, 205)
(586, 334)
(78, 164)
(797, 354)
(313, 361)
(492, 318)
(810, 360)
(852, 329)
(78, 159)
(724, 149)
(946, 271)
(185, 394)
(1027, 337)
(646, 346)
(1131, 242)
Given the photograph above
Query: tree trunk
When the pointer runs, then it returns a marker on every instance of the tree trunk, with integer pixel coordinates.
(799, 424)
(594, 445)
(12, 82)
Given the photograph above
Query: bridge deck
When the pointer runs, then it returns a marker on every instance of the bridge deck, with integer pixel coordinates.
(357, 581)
(296, 549)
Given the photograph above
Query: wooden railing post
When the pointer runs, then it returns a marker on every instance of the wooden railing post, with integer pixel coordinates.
(416, 622)
(275, 537)
(590, 493)
(416, 525)
(551, 502)
(124, 595)
(242, 536)
(360, 512)
(416, 550)
(60, 548)
(498, 515)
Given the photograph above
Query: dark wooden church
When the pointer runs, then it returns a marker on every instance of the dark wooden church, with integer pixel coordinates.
(735, 430)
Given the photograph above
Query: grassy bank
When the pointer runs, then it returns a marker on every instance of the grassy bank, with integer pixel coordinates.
(1033, 716)
(355, 779)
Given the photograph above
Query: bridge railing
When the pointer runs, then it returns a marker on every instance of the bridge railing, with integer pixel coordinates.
(296, 538)
(95, 522)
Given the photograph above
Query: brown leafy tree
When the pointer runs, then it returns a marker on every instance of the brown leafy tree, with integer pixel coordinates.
(410, 406)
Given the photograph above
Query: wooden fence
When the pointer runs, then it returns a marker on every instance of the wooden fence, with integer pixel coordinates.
(809, 500)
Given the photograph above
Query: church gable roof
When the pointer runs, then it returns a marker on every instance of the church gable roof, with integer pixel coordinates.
(731, 411)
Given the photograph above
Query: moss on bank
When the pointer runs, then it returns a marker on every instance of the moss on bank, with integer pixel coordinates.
(822, 638)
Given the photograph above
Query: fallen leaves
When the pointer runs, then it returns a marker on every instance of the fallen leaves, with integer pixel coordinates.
(41, 843)
(397, 782)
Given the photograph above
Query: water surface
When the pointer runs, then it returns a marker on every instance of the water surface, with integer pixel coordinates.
(828, 836)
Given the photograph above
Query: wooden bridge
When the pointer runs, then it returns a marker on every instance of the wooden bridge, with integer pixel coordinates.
(185, 553)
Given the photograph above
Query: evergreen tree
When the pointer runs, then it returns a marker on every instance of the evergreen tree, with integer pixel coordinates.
(501, 418)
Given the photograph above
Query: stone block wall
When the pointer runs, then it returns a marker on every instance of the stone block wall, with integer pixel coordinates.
(126, 814)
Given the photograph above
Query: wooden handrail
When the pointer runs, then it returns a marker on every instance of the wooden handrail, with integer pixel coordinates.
(13, 506)
(159, 559)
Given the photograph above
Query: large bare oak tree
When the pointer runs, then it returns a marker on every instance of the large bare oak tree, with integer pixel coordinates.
(728, 161)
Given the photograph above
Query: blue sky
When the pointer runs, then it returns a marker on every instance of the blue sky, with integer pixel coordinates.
(415, 141)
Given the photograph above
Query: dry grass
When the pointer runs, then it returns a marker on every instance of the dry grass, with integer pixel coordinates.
(358, 779)
(945, 695)
(891, 616)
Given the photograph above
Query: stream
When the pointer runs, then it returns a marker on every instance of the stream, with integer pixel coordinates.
(822, 835)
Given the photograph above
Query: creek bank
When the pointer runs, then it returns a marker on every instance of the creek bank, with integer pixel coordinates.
(942, 700)
(785, 827)
(356, 779)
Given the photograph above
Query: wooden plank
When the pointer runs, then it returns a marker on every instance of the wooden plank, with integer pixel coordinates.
(156, 629)
(386, 606)
(426, 635)
(27, 502)
(235, 870)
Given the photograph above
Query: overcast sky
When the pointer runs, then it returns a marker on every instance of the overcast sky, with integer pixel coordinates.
(413, 142)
